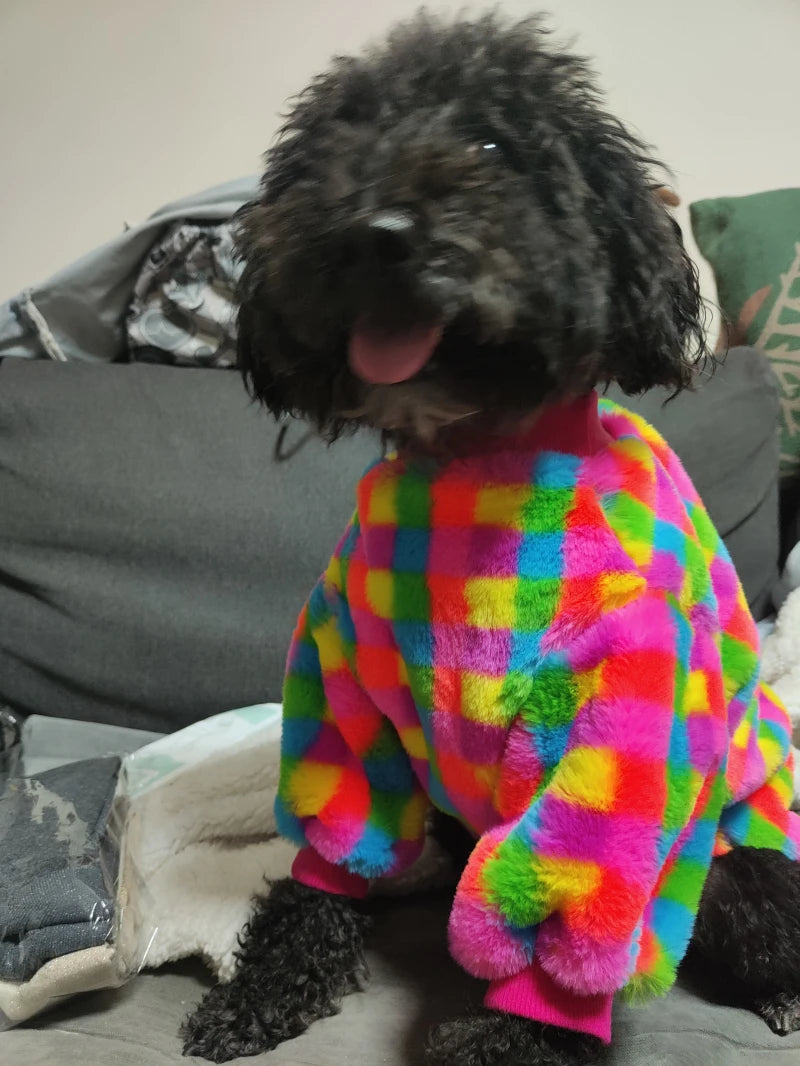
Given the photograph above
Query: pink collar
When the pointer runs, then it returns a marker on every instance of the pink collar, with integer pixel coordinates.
(572, 427)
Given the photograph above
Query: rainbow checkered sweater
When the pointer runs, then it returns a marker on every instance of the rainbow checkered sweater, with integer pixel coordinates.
(548, 640)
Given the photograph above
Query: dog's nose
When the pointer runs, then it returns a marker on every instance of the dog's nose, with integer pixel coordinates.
(390, 235)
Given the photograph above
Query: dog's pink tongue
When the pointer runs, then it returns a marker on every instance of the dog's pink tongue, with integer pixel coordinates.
(386, 360)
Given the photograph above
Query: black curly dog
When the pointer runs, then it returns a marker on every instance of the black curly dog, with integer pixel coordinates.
(467, 174)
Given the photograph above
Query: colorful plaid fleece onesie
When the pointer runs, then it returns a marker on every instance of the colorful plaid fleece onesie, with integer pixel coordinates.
(547, 639)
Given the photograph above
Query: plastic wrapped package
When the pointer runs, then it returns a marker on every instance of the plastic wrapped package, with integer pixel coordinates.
(136, 857)
(154, 853)
(59, 867)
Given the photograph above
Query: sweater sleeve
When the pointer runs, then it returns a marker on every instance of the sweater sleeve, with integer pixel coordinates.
(347, 788)
(566, 881)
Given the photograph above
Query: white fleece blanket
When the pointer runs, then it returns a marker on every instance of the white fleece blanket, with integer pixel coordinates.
(198, 840)
(198, 832)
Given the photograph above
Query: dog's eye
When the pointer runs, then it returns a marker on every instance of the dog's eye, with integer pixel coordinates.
(490, 148)
(486, 142)
(487, 149)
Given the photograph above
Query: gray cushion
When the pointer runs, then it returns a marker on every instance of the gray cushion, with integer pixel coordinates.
(414, 985)
(153, 556)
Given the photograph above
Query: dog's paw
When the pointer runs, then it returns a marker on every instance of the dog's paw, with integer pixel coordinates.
(299, 955)
(491, 1038)
(245, 1018)
(224, 1027)
(781, 1013)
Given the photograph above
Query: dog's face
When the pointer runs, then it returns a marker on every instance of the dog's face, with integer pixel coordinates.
(451, 227)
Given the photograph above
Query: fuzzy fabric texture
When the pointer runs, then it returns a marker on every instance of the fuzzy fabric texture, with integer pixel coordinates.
(554, 647)
(780, 659)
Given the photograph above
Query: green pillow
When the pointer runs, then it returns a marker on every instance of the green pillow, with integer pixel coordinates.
(753, 246)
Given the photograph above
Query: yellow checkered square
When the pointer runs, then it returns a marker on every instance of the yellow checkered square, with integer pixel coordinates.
(567, 881)
(329, 646)
(413, 820)
(312, 785)
(587, 685)
(413, 740)
(501, 505)
(773, 751)
(742, 734)
(480, 698)
(333, 574)
(618, 588)
(587, 777)
(490, 602)
(696, 696)
(640, 551)
(380, 592)
(381, 510)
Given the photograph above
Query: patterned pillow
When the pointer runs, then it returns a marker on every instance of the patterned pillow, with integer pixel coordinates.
(753, 246)
(183, 309)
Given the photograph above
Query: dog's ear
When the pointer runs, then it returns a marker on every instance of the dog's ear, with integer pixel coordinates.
(257, 342)
(279, 372)
(656, 333)
(255, 339)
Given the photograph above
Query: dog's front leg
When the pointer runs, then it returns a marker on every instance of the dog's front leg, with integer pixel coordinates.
(493, 1038)
(301, 952)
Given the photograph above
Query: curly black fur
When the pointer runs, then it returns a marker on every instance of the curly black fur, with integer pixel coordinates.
(491, 1039)
(538, 244)
(301, 952)
(746, 942)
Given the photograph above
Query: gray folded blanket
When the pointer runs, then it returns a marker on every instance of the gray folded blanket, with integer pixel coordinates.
(59, 866)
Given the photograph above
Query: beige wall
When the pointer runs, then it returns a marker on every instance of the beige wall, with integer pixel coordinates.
(110, 108)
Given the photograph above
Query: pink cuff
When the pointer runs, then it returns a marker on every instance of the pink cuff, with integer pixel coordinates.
(534, 994)
(309, 868)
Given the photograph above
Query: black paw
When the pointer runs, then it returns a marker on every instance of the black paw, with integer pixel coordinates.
(491, 1038)
(781, 1013)
(225, 1027)
(299, 956)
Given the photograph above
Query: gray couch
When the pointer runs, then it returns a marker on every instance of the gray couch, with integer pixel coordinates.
(153, 557)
